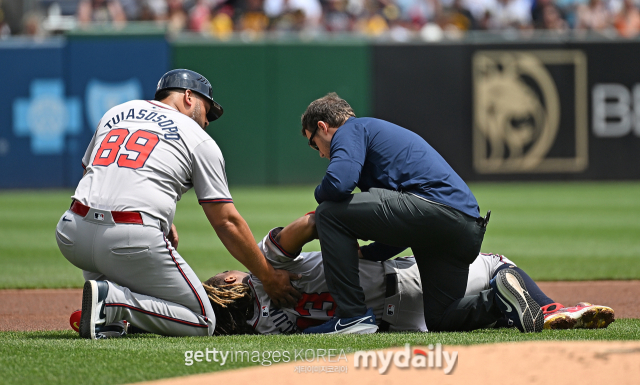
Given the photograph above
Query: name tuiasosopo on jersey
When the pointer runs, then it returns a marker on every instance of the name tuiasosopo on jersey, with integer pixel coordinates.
(144, 155)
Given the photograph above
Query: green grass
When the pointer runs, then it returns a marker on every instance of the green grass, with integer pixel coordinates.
(555, 231)
(63, 358)
(565, 231)
(30, 257)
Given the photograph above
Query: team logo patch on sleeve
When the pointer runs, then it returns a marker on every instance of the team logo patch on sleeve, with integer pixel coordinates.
(391, 309)
(265, 311)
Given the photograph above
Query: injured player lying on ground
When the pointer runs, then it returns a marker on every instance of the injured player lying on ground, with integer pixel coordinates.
(392, 290)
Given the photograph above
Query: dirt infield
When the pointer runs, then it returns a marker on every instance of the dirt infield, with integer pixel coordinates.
(513, 363)
(42, 309)
(39, 309)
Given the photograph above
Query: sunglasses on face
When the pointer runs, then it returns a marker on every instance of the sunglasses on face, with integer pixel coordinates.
(313, 144)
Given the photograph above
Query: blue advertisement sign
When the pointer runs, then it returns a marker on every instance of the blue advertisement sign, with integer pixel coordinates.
(55, 94)
(46, 116)
(36, 115)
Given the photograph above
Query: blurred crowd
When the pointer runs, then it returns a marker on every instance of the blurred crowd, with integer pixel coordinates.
(398, 19)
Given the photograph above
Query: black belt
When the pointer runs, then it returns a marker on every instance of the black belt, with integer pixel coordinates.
(391, 281)
(484, 221)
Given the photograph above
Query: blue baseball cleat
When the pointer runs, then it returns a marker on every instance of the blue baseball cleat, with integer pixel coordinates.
(515, 302)
(364, 324)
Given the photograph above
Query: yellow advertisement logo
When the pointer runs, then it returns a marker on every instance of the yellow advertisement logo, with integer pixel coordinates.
(517, 112)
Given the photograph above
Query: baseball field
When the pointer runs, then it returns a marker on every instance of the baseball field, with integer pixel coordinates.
(580, 240)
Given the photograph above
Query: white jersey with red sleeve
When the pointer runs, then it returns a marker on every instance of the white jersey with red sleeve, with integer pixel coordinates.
(317, 305)
(402, 309)
(144, 155)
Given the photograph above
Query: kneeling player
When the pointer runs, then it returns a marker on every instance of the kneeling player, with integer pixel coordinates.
(392, 289)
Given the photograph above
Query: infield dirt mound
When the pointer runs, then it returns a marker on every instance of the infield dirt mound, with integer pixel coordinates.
(49, 309)
(509, 363)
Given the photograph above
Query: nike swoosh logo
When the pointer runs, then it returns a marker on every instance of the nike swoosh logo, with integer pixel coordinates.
(65, 219)
(75, 325)
(340, 326)
(509, 309)
(103, 314)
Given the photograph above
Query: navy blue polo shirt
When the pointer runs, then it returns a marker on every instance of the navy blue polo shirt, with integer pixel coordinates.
(372, 153)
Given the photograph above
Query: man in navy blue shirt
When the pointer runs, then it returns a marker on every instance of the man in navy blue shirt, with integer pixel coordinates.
(410, 197)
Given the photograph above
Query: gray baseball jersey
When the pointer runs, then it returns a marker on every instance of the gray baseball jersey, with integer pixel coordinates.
(403, 310)
(143, 156)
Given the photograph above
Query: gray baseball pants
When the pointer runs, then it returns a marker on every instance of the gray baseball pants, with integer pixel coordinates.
(150, 285)
(444, 242)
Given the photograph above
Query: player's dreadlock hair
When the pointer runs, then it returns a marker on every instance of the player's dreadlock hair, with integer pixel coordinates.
(232, 305)
(330, 109)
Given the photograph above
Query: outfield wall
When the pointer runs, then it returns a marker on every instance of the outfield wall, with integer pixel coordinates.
(264, 89)
(514, 111)
(54, 94)
(496, 111)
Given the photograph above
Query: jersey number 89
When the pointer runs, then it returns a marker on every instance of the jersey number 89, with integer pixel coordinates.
(140, 142)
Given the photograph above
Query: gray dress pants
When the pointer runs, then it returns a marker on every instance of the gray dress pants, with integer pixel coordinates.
(444, 241)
